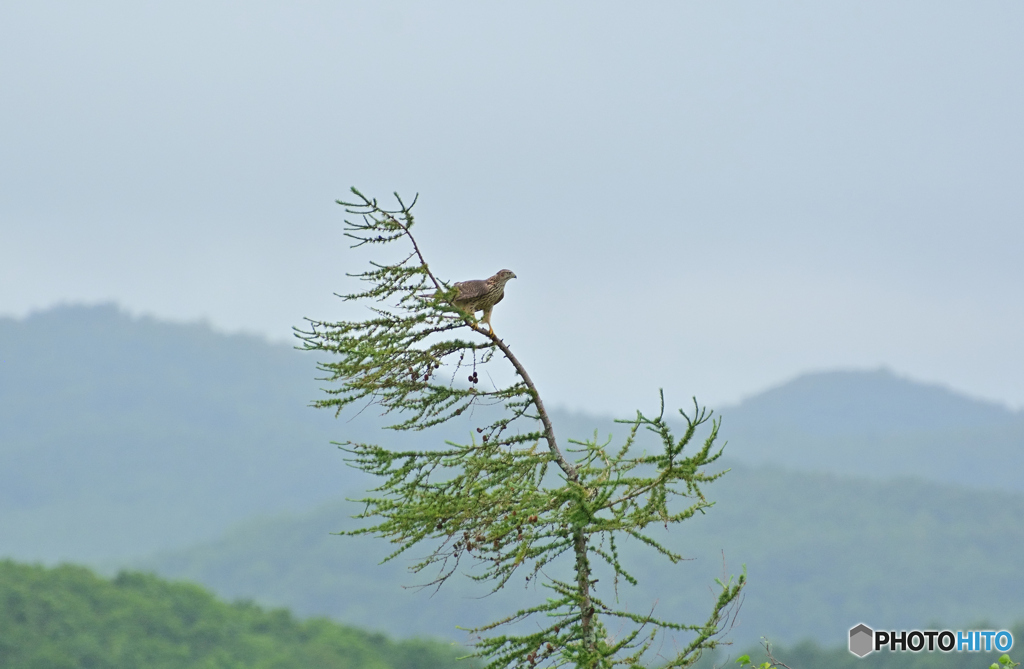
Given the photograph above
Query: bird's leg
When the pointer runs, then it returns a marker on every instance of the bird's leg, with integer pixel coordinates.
(487, 319)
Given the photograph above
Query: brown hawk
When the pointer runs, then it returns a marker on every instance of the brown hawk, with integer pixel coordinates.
(482, 294)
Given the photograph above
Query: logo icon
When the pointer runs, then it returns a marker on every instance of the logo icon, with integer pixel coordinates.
(862, 640)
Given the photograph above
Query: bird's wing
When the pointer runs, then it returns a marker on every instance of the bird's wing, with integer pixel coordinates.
(470, 290)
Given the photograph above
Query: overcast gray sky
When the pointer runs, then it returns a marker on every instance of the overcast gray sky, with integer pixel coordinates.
(705, 197)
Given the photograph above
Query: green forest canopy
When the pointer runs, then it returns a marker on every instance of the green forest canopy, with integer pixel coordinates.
(67, 617)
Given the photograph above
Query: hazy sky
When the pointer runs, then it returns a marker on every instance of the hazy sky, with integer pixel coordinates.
(708, 197)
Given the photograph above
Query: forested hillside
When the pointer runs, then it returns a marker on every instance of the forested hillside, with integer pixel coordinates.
(121, 437)
(822, 552)
(67, 618)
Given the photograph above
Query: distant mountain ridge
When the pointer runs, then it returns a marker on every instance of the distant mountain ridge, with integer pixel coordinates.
(120, 436)
(865, 402)
(877, 424)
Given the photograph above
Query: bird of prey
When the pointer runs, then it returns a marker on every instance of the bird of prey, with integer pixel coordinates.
(482, 294)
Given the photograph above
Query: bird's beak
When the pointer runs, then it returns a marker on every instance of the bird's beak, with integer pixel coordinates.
(514, 275)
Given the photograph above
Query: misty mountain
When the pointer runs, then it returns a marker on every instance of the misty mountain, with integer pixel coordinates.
(121, 436)
(865, 403)
(877, 424)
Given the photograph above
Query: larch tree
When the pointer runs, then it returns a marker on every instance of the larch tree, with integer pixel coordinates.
(515, 500)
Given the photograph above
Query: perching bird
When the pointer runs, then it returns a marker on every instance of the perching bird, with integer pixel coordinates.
(482, 294)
